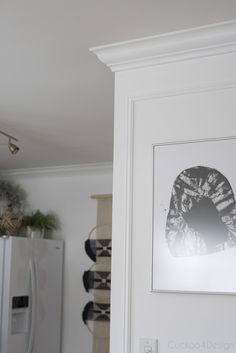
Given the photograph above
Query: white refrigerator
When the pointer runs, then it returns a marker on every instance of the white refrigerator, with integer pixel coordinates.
(30, 295)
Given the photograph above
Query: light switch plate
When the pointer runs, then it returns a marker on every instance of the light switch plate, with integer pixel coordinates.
(148, 345)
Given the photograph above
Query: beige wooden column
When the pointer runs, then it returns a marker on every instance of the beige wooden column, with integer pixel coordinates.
(103, 231)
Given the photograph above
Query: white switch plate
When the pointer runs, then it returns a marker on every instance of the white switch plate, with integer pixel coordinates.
(148, 345)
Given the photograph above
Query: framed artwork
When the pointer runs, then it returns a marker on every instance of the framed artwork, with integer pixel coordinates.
(194, 216)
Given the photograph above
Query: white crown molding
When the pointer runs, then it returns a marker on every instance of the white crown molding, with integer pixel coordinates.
(59, 170)
(193, 43)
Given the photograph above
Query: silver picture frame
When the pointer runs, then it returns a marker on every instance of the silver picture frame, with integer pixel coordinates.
(194, 216)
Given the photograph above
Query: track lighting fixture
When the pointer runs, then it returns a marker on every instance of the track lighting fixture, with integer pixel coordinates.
(12, 147)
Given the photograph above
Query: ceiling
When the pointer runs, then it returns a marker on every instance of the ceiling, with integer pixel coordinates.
(55, 95)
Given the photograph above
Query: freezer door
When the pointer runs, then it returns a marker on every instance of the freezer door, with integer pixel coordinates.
(48, 260)
(16, 295)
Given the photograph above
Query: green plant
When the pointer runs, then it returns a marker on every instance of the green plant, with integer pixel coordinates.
(40, 221)
(12, 195)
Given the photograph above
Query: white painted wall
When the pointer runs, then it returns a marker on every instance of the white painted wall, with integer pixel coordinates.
(171, 88)
(68, 195)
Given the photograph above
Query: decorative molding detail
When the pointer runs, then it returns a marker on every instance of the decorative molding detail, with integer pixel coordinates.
(101, 196)
(129, 225)
(187, 90)
(59, 170)
(188, 44)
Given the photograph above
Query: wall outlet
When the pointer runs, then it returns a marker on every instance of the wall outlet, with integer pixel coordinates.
(148, 345)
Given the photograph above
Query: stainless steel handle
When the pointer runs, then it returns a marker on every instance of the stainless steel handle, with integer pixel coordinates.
(33, 306)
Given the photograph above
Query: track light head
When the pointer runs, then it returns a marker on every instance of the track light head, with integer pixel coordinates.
(12, 147)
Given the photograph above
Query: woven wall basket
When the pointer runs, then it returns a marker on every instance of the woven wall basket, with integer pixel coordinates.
(9, 223)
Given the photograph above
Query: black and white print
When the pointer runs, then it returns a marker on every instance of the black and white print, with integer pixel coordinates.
(194, 216)
(202, 213)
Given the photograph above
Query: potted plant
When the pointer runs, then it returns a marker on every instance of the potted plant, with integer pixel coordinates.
(37, 223)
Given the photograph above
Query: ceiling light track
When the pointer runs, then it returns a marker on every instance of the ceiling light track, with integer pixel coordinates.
(12, 147)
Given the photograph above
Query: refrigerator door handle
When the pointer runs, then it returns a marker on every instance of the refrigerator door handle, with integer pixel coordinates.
(33, 306)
